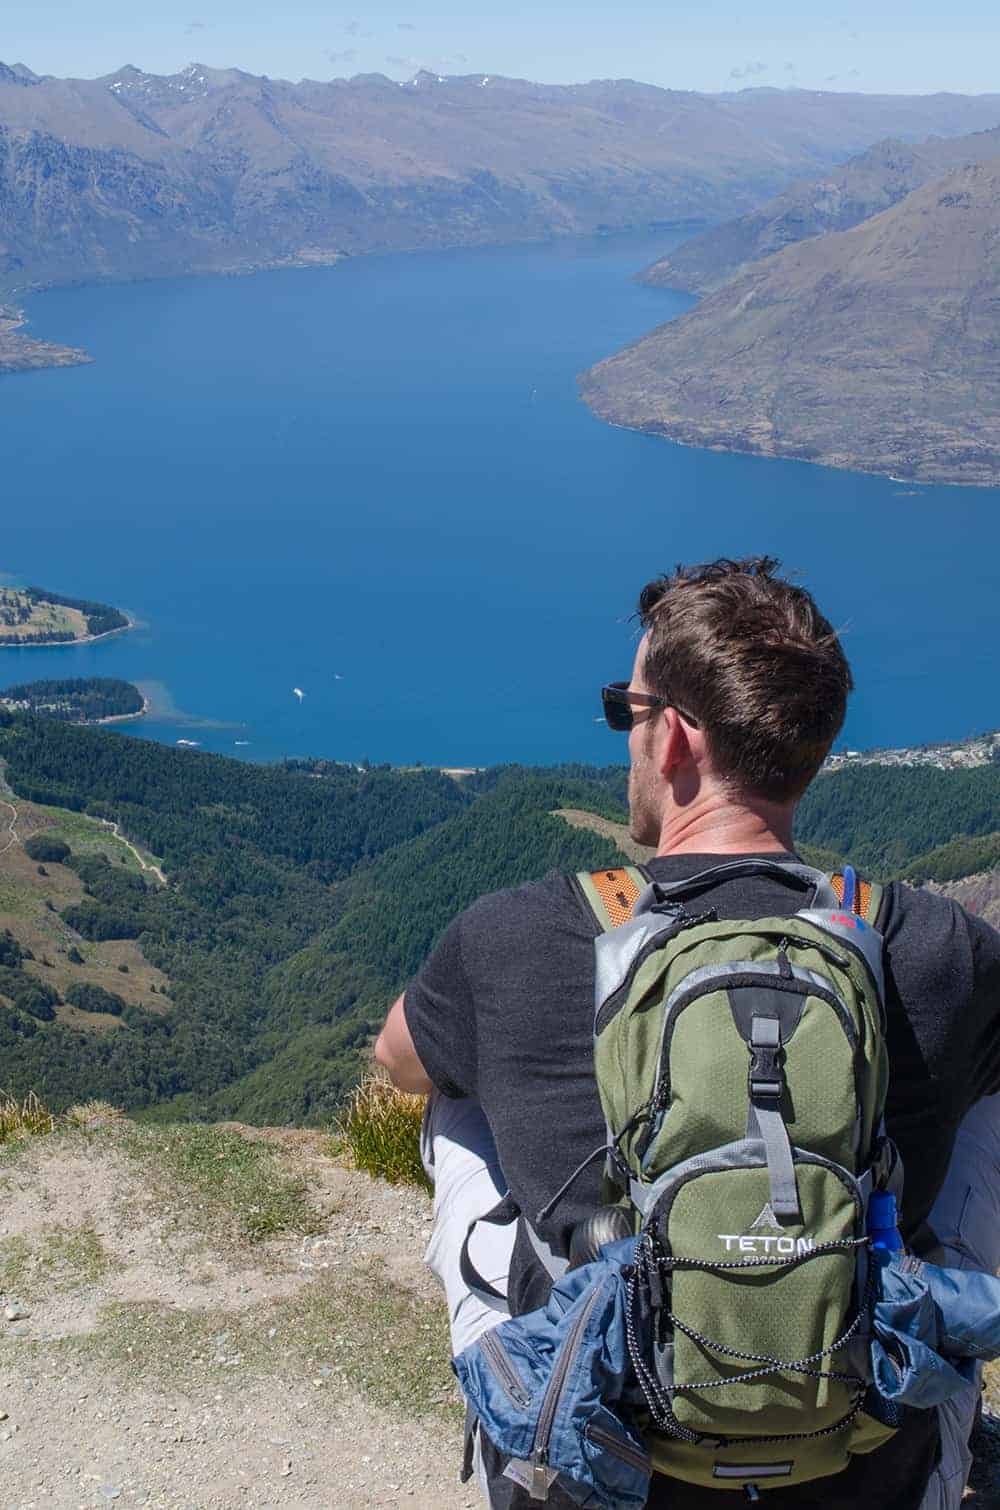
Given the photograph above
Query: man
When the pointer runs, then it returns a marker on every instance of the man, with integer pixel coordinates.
(737, 693)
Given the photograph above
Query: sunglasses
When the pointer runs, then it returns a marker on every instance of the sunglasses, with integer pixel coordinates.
(619, 714)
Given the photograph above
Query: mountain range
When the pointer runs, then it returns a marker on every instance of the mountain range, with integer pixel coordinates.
(873, 348)
(140, 175)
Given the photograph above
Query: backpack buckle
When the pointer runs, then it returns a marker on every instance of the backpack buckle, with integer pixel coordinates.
(766, 1079)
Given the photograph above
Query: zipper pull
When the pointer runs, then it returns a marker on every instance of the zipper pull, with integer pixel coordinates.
(784, 968)
(540, 1481)
(655, 1281)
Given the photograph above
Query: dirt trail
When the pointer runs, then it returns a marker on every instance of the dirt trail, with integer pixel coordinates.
(156, 1364)
(145, 865)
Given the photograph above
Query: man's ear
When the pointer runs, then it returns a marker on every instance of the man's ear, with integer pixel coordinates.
(675, 746)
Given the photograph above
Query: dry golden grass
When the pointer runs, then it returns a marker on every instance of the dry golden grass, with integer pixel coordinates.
(380, 1128)
(30, 904)
(44, 618)
(23, 1117)
(89, 1115)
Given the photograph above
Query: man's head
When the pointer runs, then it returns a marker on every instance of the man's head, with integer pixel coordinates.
(755, 683)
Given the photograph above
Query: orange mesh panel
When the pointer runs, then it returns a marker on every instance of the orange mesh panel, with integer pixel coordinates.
(618, 892)
(862, 895)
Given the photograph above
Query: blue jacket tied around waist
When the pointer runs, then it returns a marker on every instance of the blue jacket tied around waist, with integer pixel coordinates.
(554, 1390)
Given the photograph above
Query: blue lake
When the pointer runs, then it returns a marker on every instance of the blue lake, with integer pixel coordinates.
(376, 483)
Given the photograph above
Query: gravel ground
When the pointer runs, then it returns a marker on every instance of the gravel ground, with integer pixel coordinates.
(149, 1356)
(77, 1438)
(169, 1368)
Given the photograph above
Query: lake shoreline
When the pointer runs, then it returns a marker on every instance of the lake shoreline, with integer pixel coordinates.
(663, 430)
(119, 718)
(87, 639)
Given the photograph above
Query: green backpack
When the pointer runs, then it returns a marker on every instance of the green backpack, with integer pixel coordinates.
(742, 1070)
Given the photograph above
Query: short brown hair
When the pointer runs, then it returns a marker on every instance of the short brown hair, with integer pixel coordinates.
(756, 663)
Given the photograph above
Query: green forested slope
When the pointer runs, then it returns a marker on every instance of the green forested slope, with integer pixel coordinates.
(883, 818)
(297, 906)
(185, 804)
(300, 900)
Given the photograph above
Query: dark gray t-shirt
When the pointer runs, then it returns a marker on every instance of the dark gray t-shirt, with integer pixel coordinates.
(503, 1011)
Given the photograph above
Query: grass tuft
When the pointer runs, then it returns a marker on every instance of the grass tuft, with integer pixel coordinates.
(380, 1128)
(56, 1258)
(89, 1115)
(24, 1117)
(231, 1176)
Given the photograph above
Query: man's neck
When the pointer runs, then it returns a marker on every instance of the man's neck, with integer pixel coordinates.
(717, 825)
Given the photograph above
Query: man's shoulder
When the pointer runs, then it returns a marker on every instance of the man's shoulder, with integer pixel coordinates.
(918, 907)
(533, 902)
(932, 938)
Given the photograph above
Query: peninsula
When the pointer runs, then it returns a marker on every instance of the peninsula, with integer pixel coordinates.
(34, 616)
(21, 353)
(77, 699)
(872, 348)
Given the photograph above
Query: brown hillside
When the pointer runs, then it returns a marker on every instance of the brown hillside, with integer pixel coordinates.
(875, 348)
(865, 186)
(30, 904)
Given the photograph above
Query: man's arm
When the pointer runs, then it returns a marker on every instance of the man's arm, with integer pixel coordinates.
(394, 1051)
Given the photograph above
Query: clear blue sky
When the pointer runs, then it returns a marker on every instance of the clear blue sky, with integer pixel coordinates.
(686, 44)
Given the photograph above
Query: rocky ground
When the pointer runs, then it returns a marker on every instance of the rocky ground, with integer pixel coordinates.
(226, 1319)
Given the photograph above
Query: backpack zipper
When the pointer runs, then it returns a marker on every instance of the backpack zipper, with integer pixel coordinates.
(610, 1008)
(796, 986)
(790, 941)
(550, 1400)
(504, 1370)
(619, 1449)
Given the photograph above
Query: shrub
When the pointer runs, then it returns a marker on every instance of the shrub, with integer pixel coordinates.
(89, 1115)
(381, 1129)
(93, 998)
(11, 952)
(99, 923)
(49, 851)
(73, 955)
(21, 1117)
(28, 994)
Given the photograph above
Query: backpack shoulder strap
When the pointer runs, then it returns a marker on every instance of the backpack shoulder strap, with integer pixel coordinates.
(863, 898)
(803, 877)
(610, 895)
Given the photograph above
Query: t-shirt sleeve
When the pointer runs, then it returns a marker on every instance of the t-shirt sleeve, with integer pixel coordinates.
(985, 943)
(441, 1016)
(944, 961)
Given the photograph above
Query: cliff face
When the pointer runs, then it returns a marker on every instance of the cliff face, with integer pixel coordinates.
(874, 348)
(868, 184)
